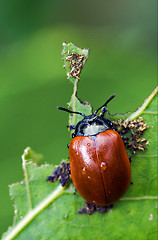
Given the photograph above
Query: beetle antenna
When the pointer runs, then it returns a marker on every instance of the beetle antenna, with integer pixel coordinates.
(67, 110)
(104, 106)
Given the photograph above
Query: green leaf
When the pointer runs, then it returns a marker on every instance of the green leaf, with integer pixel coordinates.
(48, 211)
(32, 156)
(31, 196)
(133, 217)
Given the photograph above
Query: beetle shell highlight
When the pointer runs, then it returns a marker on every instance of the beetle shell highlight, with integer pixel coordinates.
(100, 167)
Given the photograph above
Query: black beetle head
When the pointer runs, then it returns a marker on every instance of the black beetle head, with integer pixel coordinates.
(93, 124)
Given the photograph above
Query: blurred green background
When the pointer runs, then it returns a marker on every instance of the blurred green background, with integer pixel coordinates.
(121, 36)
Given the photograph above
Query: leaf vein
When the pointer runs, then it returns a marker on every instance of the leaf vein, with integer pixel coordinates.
(26, 177)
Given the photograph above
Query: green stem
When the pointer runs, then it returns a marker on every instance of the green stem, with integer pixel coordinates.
(34, 212)
(144, 105)
(26, 177)
(74, 101)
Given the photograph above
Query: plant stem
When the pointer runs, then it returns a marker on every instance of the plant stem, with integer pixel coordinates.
(26, 177)
(34, 212)
(74, 100)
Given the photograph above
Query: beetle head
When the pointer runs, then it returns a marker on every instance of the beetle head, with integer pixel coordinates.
(93, 124)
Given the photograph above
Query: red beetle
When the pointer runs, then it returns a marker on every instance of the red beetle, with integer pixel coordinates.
(100, 167)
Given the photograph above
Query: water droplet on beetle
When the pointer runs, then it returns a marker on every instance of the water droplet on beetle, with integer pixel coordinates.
(103, 166)
(83, 170)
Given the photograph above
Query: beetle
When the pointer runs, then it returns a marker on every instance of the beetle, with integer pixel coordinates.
(100, 167)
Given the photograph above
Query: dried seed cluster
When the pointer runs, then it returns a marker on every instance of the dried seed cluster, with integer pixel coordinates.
(76, 64)
(136, 130)
(62, 173)
(90, 209)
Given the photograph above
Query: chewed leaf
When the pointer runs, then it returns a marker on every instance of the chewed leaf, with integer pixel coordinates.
(78, 106)
(30, 155)
(74, 60)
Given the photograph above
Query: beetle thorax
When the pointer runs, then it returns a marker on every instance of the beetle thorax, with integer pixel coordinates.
(93, 129)
(92, 125)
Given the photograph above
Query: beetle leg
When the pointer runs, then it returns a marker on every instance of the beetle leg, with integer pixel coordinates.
(129, 158)
(71, 127)
(75, 191)
(73, 135)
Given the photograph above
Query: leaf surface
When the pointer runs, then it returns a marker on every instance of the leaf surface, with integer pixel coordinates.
(133, 217)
